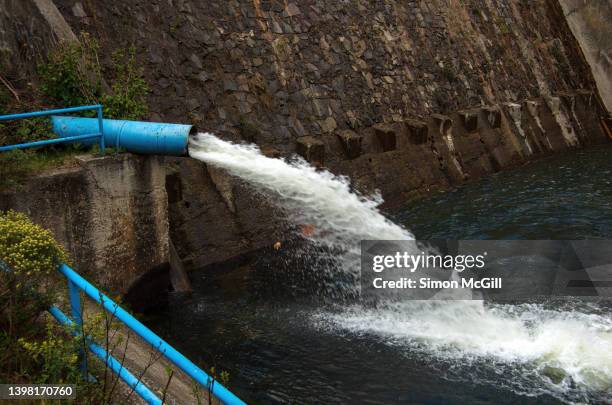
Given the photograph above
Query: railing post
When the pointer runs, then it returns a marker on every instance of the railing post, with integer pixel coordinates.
(76, 310)
(101, 126)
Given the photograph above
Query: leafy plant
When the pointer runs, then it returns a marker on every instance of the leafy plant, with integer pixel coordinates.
(27, 130)
(34, 129)
(27, 248)
(57, 354)
(129, 97)
(72, 76)
(29, 256)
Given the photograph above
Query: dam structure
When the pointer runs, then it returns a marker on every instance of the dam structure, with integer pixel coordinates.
(215, 166)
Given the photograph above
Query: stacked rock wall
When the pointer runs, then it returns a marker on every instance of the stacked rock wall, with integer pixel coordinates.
(273, 71)
(403, 96)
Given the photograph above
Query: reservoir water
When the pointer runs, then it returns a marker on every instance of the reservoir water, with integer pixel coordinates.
(265, 319)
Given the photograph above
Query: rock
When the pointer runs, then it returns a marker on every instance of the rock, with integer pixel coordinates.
(311, 149)
(270, 151)
(276, 28)
(297, 126)
(196, 61)
(291, 10)
(230, 85)
(469, 119)
(203, 77)
(351, 142)
(328, 124)
(192, 104)
(386, 136)
(179, 89)
(224, 186)
(417, 132)
(78, 10)
(321, 107)
(282, 133)
(323, 44)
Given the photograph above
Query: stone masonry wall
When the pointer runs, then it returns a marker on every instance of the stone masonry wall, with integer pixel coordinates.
(403, 96)
(277, 70)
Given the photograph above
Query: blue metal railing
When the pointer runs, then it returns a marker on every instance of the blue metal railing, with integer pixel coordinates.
(99, 134)
(123, 373)
(76, 283)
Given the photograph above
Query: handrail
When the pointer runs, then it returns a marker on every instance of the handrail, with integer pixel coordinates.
(136, 384)
(76, 282)
(100, 134)
(76, 329)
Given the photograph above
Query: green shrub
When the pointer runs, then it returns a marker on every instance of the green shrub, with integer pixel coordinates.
(129, 96)
(29, 256)
(30, 251)
(72, 74)
(27, 130)
(34, 348)
(57, 353)
(34, 129)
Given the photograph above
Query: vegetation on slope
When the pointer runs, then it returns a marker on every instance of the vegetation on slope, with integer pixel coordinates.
(72, 75)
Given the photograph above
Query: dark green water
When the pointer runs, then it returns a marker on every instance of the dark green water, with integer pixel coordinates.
(282, 347)
(561, 197)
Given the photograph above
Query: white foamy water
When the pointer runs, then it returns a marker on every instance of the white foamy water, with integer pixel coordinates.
(561, 352)
(566, 353)
(340, 217)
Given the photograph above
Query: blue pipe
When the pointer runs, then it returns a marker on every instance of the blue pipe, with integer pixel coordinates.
(138, 386)
(218, 390)
(135, 136)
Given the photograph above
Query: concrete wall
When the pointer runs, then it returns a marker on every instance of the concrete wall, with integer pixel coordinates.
(110, 213)
(590, 21)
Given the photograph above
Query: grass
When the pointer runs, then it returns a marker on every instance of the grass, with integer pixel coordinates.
(18, 165)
